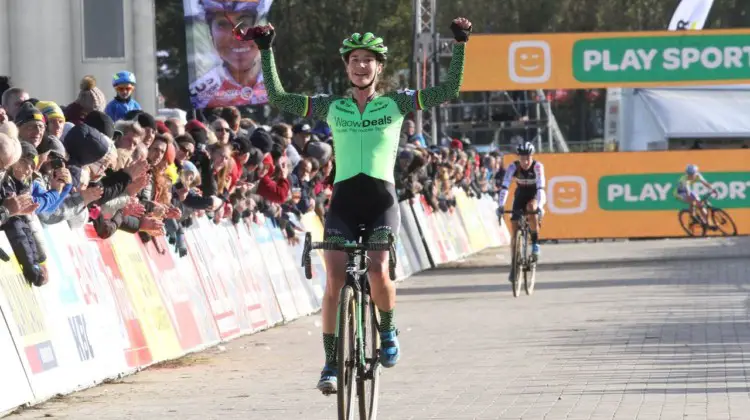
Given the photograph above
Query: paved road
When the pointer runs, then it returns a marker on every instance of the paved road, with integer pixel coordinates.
(621, 340)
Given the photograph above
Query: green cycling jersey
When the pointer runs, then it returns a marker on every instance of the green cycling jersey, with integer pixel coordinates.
(364, 142)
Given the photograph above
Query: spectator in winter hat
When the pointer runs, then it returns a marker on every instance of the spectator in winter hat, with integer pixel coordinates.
(198, 131)
(50, 144)
(320, 151)
(31, 125)
(54, 116)
(242, 146)
(148, 122)
(254, 159)
(21, 175)
(322, 130)
(124, 84)
(85, 145)
(12, 100)
(261, 140)
(162, 128)
(90, 98)
(101, 122)
(301, 134)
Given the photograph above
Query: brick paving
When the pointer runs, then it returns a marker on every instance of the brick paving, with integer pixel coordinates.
(661, 340)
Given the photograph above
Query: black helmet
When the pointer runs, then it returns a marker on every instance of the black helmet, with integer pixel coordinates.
(525, 149)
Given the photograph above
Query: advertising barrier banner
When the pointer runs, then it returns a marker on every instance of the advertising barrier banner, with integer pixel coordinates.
(131, 338)
(468, 211)
(211, 270)
(315, 287)
(249, 293)
(411, 256)
(147, 302)
(304, 300)
(311, 222)
(497, 235)
(257, 274)
(631, 194)
(14, 387)
(411, 230)
(113, 306)
(275, 271)
(79, 311)
(435, 242)
(183, 295)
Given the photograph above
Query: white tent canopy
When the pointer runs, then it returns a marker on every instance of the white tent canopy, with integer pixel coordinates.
(651, 117)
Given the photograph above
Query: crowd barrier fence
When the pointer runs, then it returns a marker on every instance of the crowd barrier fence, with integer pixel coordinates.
(115, 306)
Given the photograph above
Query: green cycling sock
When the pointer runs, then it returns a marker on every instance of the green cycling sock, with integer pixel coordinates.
(329, 345)
(386, 320)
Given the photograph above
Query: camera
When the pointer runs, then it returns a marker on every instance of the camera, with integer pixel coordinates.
(56, 163)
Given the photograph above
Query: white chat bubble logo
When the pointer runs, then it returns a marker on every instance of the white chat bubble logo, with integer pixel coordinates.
(529, 62)
(567, 195)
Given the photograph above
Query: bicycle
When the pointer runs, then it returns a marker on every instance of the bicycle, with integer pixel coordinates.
(522, 260)
(357, 358)
(692, 219)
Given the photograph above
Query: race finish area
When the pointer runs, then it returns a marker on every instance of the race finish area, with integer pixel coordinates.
(615, 330)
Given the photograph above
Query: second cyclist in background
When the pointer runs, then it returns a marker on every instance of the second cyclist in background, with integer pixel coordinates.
(529, 195)
(685, 191)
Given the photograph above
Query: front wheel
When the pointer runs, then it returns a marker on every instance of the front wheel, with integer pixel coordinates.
(529, 279)
(723, 221)
(517, 266)
(690, 224)
(345, 353)
(368, 379)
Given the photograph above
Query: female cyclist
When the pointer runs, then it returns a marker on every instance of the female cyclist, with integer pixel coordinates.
(366, 128)
(685, 191)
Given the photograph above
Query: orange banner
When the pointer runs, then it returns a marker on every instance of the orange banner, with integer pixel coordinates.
(631, 194)
(607, 59)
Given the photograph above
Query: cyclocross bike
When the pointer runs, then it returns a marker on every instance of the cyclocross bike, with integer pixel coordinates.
(693, 224)
(523, 262)
(357, 326)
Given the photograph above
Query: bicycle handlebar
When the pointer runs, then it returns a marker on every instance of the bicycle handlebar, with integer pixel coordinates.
(523, 212)
(348, 248)
(333, 246)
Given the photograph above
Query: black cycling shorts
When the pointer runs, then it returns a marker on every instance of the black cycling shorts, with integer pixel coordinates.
(362, 200)
(520, 200)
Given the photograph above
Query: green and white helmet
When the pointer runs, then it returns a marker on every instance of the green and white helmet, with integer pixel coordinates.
(368, 41)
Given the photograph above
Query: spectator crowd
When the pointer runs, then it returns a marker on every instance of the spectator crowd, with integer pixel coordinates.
(118, 167)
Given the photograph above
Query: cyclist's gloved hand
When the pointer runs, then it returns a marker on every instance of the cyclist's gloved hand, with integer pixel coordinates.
(461, 28)
(262, 35)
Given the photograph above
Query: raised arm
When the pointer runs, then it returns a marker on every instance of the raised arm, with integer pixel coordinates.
(433, 96)
(293, 103)
(436, 95)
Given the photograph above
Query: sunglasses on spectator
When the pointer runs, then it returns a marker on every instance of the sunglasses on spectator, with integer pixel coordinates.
(221, 129)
